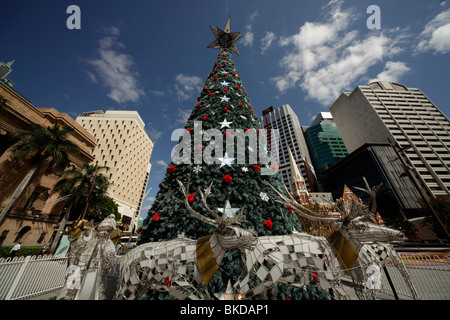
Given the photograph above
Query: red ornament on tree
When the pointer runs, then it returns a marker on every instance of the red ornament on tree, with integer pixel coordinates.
(227, 134)
(240, 104)
(191, 198)
(256, 167)
(205, 118)
(227, 178)
(210, 94)
(315, 276)
(156, 217)
(172, 169)
(268, 224)
(189, 129)
(225, 109)
(290, 209)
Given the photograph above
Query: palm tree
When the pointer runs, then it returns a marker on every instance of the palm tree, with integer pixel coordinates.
(82, 185)
(40, 144)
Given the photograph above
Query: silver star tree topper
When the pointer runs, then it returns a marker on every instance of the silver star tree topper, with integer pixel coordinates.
(225, 38)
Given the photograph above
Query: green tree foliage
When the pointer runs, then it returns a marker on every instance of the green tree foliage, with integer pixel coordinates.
(78, 183)
(40, 143)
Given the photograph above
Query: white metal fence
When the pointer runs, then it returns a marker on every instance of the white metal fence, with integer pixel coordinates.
(26, 277)
(430, 276)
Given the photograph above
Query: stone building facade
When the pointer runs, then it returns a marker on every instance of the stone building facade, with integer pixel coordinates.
(33, 218)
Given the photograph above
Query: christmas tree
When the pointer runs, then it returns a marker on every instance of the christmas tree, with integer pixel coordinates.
(223, 146)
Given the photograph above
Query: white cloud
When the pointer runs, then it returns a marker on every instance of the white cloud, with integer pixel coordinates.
(154, 133)
(161, 163)
(115, 69)
(267, 41)
(392, 71)
(327, 57)
(436, 34)
(187, 86)
(247, 39)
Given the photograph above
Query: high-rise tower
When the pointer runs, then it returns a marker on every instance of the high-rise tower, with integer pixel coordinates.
(125, 147)
(291, 137)
(383, 111)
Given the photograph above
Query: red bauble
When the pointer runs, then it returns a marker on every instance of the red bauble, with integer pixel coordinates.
(237, 87)
(256, 167)
(289, 208)
(198, 105)
(189, 129)
(225, 109)
(227, 134)
(315, 276)
(210, 94)
(200, 147)
(172, 169)
(205, 117)
(191, 197)
(268, 224)
(156, 217)
(240, 104)
(227, 178)
(246, 129)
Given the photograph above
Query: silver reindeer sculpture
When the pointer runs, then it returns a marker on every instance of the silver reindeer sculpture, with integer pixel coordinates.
(363, 247)
(182, 267)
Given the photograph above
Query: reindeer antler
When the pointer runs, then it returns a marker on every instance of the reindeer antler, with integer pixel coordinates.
(192, 211)
(299, 209)
(373, 195)
(220, 222)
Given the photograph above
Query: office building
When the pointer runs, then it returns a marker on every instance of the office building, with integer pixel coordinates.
(290, 137)
(385, 111)
(325, 143)
(5, 69)
(33, 217)
(125, 147)
(378, 163)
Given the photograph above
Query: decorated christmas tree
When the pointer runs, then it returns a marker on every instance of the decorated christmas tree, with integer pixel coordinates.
(224, 147)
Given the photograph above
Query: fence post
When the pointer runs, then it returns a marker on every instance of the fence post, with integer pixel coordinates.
(18, 277)
(390, 282)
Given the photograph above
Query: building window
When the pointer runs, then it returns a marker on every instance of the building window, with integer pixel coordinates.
(41, 238)
(31, 200)
(21, 233)
(3, 236)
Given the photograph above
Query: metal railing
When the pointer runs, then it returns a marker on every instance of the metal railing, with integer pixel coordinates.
(25, 277)
(429, 273)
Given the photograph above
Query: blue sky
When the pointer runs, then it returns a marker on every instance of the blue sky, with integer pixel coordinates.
(151, 56)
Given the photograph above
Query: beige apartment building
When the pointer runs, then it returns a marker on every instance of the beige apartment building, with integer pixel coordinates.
(383, 111)
(125, 147)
